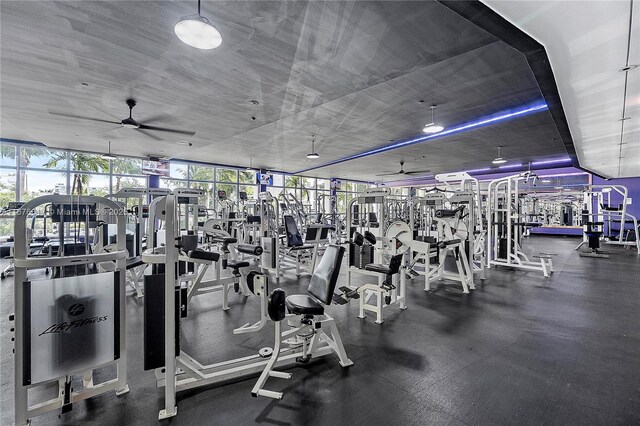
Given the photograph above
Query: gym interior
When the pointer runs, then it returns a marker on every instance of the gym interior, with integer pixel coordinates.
(320, 212)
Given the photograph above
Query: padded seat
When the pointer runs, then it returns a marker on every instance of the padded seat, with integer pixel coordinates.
(297, 248)
(204, 255)
(301, 304)
(237, 265)
(376, 267)
(226, 240)
(134, 262)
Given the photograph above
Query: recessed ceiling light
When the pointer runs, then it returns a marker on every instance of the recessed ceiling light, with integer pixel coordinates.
(197, 31)
(627, 68)
(183, 143)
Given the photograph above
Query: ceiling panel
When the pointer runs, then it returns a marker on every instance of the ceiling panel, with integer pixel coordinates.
(350, 72)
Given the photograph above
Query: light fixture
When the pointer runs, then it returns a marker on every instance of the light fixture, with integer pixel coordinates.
(558, 160)
(109, 155)
(250, 168)
(499, 159)
(545, 181)
(197, 31)
(432, 127)
(465, 127)
(313, 154)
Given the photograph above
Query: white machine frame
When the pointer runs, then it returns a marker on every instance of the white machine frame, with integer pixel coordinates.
(23, 409)
(506, 189)
(187, 372)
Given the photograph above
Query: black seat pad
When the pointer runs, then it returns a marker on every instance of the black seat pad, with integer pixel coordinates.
(134, 262)
(376, 267)
(301, 304)
(296, 248)
(204, 255)
(236, 265)
(225, 240)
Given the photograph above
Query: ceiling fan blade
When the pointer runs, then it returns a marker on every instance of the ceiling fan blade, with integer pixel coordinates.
(389, 174)
(158, 117)
(62, 114)
(165, 129)
(151, 135)
(415, 172)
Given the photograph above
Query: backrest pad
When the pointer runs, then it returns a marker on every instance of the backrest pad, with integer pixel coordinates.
(324, 279)
(395, 262)
(294, 239)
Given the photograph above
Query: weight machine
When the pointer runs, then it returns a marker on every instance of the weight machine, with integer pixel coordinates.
(506, 226)
(446, 221)
(600, 206)
(73, 324)
(175, 369)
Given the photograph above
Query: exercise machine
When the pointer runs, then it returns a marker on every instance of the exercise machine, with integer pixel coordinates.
(506, 226)
(73, 324)
(173, 367)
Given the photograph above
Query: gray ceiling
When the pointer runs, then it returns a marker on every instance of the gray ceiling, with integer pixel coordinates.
(351, 72)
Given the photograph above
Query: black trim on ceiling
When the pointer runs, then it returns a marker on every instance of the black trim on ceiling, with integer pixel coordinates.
(535, 54)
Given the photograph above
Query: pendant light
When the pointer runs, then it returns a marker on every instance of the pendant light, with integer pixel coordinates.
(313, 154)
(197, 31)
(109, 156)
(499, 159)
(432, 127)
(250, 168)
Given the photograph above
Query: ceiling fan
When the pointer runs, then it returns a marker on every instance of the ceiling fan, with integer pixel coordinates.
(129, 122)
(402, 172)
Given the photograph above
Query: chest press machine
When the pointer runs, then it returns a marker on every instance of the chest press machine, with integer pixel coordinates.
(177, 371)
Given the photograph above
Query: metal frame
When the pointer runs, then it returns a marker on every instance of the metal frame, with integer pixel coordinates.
(503, 207)
(188, 373)
(23, 411)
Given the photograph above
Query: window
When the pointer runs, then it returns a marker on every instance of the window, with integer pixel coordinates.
(172, 183)
(37, 157)
(207, 200)
(126, 166)
(7, 187)
(7, 155)
(226, 175)
(83, 162)
(278, 180)
(324, 184)
(309, 183)
(178, 171)
(251, 190)
(119, 182)
(361, 187)
(201, 173)
(35, 183)
(247, 177)
(230, 190)
(97, 185)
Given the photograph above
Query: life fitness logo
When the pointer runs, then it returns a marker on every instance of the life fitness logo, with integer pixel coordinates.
(74, 310)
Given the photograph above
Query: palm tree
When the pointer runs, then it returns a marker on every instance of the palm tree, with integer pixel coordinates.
(80, 162)
(127, 166)
(11, 151)
(296, 182)
(201, 173)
